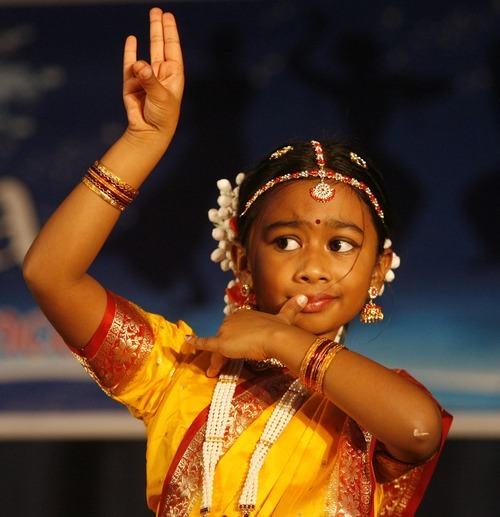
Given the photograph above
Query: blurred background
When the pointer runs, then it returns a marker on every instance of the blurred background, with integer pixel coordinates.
(417, 83)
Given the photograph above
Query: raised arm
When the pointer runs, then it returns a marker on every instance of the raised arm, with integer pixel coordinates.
(55, 267)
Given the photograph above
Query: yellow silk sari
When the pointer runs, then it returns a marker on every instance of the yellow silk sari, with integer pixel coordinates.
(322, 464)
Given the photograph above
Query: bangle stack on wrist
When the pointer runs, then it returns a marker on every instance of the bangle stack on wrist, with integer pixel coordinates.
(109, 187)
(316, 362)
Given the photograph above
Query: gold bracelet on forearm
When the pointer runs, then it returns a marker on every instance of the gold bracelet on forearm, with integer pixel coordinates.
(109, 187)
(316, 362)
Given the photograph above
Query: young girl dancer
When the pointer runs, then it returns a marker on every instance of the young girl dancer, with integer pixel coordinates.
(274, 415)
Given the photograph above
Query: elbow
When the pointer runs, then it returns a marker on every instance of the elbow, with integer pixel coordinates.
(425, 435)
(420, 437)
(33, 274)
(29, 272)
(426, 443)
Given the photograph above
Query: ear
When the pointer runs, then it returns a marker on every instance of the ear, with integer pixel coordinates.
(384, 261)
(241, 264)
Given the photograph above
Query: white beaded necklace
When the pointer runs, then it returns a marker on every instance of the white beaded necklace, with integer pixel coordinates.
(216, 426)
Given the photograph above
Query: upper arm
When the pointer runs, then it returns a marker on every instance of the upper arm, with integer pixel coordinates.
(74, 310)
(55, 267)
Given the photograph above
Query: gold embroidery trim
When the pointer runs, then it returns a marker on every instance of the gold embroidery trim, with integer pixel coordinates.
(124, 350)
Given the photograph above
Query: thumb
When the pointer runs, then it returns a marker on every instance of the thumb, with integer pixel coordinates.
(292, 307)
(144, 72)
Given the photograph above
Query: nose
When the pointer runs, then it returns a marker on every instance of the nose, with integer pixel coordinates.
(313, 267)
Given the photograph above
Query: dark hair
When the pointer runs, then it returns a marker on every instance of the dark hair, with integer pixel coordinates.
(301, 158)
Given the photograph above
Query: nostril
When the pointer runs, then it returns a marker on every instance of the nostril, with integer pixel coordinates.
(312, 278)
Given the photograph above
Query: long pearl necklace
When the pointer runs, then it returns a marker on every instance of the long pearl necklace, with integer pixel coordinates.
(216, 426)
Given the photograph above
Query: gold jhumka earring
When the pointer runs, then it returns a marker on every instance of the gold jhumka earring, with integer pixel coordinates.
(371, 312)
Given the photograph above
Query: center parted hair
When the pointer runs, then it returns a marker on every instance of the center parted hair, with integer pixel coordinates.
(293, 158)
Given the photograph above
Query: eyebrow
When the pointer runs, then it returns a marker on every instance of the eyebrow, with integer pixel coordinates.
(297, 223)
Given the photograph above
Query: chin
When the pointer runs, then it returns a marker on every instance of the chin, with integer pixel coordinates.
(318, 328)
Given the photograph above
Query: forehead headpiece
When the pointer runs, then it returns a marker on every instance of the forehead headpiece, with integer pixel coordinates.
(224, 218)
(322, 192)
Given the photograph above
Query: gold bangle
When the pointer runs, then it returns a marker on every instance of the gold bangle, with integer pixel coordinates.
(304, 378)
(124, 187)
(109, 187)
(316, 362)
(325, 365)
(103, 194)
(102, 182)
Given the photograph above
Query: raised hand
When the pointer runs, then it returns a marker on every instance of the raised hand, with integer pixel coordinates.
(152, 92)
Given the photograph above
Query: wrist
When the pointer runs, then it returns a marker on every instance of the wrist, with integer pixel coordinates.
(132, 158)
(147, 143)
(289, 345)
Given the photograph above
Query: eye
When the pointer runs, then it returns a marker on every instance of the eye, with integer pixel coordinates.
(287, 243)
(340, 246)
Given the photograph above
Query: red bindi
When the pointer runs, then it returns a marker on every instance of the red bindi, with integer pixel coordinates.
(318, 221)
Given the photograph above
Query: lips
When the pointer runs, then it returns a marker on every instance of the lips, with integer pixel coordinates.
(317, 302)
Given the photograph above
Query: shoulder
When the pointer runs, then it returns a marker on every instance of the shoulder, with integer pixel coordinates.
(126, 340)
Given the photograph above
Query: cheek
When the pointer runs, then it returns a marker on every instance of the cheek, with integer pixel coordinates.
(263, 281)
(359, 278)
(266, 283)
(365, 279)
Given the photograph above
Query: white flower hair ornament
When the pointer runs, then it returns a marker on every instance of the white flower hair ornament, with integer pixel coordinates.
(396, 261)
(225, 232)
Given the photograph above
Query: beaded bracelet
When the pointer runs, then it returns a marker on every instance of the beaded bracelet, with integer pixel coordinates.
(108, 186)
(316, 362)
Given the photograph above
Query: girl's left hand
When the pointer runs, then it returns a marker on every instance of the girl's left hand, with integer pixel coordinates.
(251, 334)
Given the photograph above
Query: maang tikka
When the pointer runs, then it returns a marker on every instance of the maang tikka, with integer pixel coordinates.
(322, 192)
(371, 312)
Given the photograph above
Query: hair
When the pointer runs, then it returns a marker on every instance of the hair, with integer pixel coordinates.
(302, 157)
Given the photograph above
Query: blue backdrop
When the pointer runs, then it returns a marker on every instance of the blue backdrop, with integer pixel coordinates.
(417, 83)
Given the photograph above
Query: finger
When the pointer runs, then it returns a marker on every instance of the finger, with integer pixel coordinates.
(172, 43)
(292, 307)
(145, 73)
(156, 43)
(202, 343)
(129, 57)
(217, 362)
